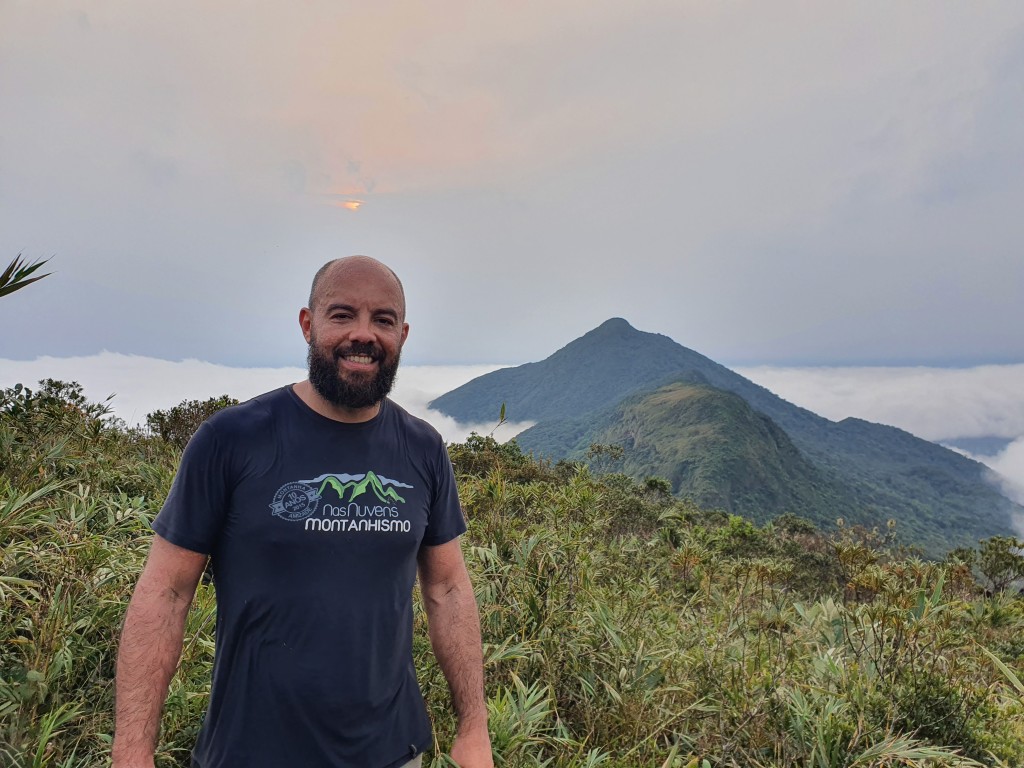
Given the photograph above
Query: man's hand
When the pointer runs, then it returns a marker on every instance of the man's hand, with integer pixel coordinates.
(141, 763)
(472, 749)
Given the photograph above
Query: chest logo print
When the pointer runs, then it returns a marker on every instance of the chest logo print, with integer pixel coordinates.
(295, 501)
(300, 499)
(357, 485)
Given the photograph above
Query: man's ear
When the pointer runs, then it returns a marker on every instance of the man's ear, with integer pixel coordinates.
(306, 322)
(405, 332)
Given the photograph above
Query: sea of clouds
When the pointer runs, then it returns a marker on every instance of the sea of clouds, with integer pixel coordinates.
(937, 404)
(141, 385)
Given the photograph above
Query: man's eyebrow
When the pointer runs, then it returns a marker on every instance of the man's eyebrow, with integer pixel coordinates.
(390, 312)
(338, 305)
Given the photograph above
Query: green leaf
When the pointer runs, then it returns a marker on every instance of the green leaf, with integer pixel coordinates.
(16, 275)
(1007, 672)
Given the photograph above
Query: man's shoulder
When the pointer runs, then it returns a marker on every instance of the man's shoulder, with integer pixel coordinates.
(414, 427)
(252, 417)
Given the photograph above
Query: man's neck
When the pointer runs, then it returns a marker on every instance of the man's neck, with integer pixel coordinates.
(314, 400)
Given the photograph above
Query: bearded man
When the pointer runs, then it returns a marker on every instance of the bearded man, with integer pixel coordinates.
(315, 505)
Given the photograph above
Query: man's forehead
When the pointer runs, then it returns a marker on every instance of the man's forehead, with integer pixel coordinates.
(363, 279)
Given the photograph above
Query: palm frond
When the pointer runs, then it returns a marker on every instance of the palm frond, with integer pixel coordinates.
(17, 275)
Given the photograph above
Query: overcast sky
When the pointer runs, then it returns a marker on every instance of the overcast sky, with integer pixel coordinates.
(784, 183)
(824, 195)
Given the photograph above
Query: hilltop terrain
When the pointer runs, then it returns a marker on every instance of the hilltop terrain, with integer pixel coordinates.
(621, 626)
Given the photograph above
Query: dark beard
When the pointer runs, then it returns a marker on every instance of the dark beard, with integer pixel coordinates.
(332, 387)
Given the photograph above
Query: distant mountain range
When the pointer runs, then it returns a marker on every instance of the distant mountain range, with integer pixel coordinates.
(728, 443)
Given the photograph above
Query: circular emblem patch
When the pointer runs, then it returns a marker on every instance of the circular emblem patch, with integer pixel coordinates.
(295, 501)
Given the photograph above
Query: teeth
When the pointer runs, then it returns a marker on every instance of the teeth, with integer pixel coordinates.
(365, 359)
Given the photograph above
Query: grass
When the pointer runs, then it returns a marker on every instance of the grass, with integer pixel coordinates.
(621, 627)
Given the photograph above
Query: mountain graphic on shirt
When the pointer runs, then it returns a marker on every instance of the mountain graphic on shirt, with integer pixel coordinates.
(357, 485)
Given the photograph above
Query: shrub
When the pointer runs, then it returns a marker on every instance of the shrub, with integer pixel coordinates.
(1001, 561)
(177, 425)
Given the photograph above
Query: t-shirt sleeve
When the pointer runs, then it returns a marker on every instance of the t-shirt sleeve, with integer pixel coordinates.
(196, 506)
(446, 520)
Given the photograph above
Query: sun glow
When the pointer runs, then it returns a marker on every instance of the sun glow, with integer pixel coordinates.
(352, 205)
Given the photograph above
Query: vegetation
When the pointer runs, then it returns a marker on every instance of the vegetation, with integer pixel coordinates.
(16, 275)
(708, 444)
(177, 425)
(622, 626)
(999, 559)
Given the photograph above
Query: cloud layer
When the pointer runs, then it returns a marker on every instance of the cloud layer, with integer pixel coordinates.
(934, 403)
(141, 385)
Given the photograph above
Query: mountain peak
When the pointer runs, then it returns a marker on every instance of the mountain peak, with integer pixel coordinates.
(615, 327)
(615, 323)
(590, 372)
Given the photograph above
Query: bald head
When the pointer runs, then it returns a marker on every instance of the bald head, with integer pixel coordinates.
(350, 268)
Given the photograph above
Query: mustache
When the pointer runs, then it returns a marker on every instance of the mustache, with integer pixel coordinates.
(359, 348)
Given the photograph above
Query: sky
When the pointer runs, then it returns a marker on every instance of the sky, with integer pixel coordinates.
(785, 183)
(824, 196)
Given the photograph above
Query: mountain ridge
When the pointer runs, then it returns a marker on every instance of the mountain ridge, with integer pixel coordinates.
(934, 493)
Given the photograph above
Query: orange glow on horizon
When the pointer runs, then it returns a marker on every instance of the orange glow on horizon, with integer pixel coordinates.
(352, 205)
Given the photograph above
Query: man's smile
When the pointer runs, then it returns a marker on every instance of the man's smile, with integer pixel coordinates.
(359, 358)
(362, 359)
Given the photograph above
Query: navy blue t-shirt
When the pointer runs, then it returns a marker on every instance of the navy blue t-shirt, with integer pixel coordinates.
(313, 527)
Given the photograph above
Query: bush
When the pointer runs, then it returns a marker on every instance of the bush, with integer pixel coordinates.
(177, 425)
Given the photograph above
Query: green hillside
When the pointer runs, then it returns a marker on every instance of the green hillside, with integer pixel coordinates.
(710, 445)
(621, 627)
(939, 498)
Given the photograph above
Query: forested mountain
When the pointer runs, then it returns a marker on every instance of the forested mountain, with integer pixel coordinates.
(709, 444)
(791, 461)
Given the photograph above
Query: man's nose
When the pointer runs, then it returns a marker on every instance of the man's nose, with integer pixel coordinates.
(363, 330)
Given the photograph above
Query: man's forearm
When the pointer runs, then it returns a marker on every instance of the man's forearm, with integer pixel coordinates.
(455, 637)
(148, 655)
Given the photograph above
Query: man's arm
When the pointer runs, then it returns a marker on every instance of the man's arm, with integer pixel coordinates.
(150, 648)
(455, 637)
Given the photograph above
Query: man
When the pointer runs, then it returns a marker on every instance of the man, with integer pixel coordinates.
(314, 504)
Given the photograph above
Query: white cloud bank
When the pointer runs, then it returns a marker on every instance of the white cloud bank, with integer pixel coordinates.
(933, 403)
(1009, 467)
(141, 385)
